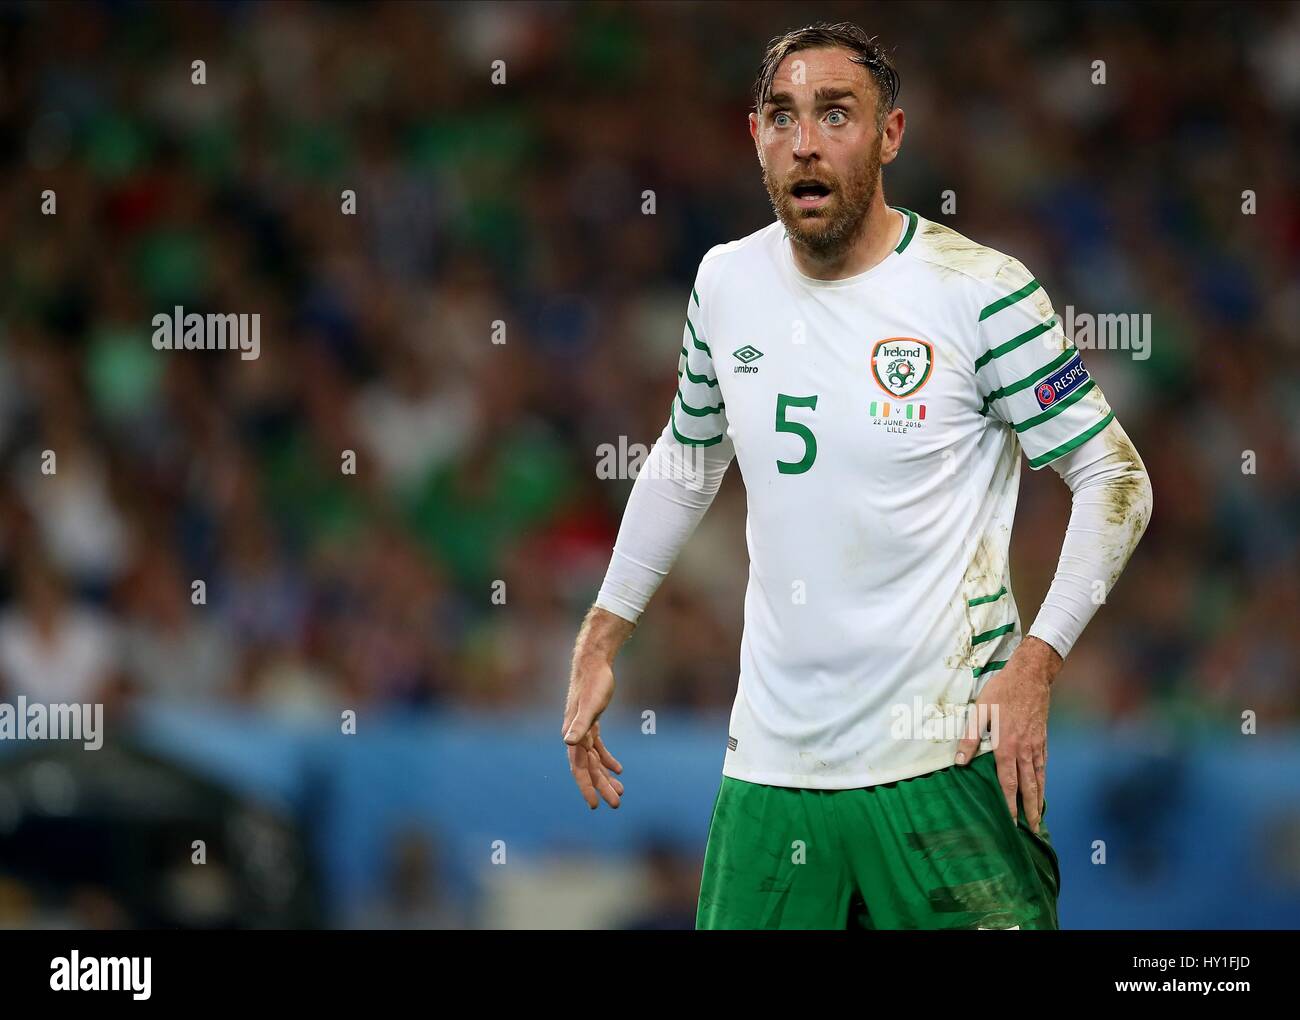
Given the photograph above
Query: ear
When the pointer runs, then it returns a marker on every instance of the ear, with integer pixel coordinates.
(753, 133)
(891, 135)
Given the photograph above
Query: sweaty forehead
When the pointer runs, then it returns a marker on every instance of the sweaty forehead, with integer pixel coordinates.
(826, 68)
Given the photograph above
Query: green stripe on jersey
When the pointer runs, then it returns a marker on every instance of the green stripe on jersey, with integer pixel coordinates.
(687, 440)
(1056, 408)
(700, 344)
(908, 230)
(1027, 381)
(1010, 299)
(1013, 343)
(692, 376)
(698, 412)
(983, 599)
(696, 294)
(988, 667)
(989, 635)
(1065, 448)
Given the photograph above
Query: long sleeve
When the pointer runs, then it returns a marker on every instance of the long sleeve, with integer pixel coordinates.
(1111, 505)
(676, 486)
(678, 480)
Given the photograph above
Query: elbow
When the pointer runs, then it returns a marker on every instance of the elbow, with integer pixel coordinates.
(1143, 502)
(1131, 500)
(1129, 492)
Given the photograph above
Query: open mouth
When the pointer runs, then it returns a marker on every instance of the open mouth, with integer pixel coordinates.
(809, 194)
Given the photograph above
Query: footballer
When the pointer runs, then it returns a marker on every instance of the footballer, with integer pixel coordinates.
(876, 376)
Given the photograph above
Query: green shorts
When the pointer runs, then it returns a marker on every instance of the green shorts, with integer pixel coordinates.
(935, 851)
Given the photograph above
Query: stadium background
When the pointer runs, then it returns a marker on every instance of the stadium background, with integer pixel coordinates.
(522, 203)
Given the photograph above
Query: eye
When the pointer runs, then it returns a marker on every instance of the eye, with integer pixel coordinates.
(837, 117)
(780, 119)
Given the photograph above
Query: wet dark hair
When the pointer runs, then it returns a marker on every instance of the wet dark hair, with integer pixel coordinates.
(864, 49)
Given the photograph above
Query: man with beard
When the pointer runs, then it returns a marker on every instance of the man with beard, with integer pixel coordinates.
(876, 375)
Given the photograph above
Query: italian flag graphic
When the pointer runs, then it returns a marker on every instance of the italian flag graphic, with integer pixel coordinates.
(882, 409)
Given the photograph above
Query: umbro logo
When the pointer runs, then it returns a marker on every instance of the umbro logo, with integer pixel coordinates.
(747, 355)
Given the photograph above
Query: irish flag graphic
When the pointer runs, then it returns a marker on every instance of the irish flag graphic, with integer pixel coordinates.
(884, 409)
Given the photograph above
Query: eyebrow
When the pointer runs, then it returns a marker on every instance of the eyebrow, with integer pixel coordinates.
(820, 97)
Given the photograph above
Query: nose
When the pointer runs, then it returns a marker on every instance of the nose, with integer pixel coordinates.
(805, 140)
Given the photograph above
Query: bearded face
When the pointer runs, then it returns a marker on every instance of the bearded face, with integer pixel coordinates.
(823, 211)
(822, 137)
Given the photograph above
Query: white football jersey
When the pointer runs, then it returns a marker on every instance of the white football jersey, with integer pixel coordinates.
(877, 421)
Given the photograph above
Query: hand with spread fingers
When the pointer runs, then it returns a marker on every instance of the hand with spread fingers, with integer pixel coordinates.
(591, 688)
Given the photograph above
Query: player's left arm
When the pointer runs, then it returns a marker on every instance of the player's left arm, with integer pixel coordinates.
(1033, 379)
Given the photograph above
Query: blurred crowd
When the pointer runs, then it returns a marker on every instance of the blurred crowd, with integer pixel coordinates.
(183, 525)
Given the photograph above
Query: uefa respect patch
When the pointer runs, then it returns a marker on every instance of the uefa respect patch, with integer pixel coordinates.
(1061, 383)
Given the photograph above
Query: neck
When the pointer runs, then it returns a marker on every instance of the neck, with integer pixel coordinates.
(877, 237)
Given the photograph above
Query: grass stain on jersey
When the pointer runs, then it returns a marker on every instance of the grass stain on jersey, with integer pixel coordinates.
(985, 574)
(956, 253)
(1126, 499)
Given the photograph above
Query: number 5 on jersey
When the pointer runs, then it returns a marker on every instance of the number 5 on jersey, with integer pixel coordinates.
(783, 402)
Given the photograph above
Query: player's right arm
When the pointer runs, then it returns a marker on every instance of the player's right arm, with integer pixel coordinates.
(675, 487)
